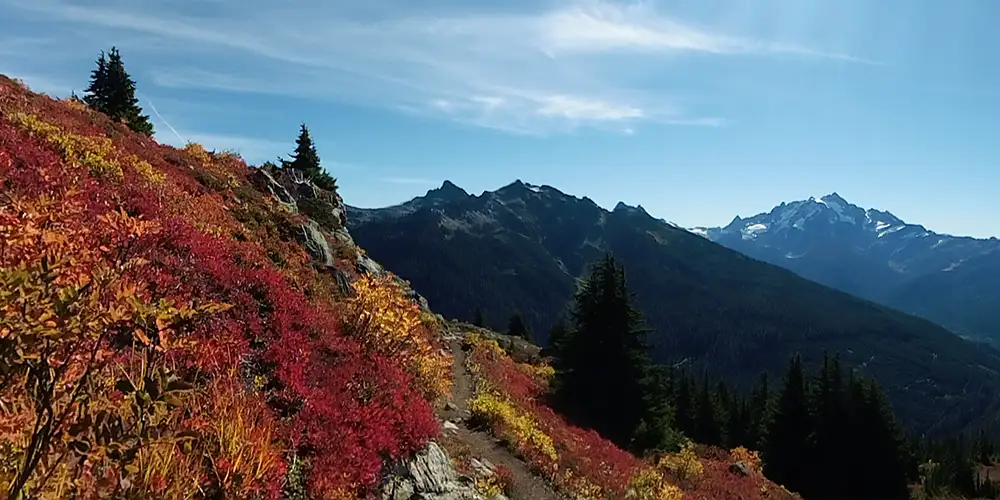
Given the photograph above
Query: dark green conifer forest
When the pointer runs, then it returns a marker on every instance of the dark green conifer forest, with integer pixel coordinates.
(823, 433)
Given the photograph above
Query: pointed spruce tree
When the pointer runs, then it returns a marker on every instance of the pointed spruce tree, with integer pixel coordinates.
(880, 465)
(787, 448)
(97, 94)
(759, 414)
(478, 319)
(602, 372)
(557, 334)
(517, 328)
(684, 404)
(709, 431)
(112, 92)
(306, 160)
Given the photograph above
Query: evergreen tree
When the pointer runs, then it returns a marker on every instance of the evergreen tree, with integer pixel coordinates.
(759, 414)
(684, 405)
(984, 449)
(517, 328)
(98, 92)
(738, 423)
(879, 470)
(112, 92)
(478, 319)
(306, 160)
(557, 334)
(708, 431)
(788, 433)
(602, 373)
(656, 431)
(830, 456)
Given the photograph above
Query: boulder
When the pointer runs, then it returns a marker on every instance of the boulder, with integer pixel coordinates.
(429, 475)
(739, 468)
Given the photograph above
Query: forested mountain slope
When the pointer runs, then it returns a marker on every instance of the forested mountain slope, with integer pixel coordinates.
(951, 280)
(522, 247)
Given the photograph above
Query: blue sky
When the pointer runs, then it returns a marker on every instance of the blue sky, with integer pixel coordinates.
(696, 109)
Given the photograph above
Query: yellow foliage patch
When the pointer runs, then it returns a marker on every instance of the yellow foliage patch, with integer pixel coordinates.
(389, 323)
(198, 151)
(649, 484)
(580, 486)
(489, 486)
(683, 464)
(543, 372)
(749, 457)
(148, 172)
(93, 153)
(97, 154)
(513, 425)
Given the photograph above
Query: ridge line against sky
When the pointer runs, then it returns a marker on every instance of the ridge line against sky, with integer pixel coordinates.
(696, 110)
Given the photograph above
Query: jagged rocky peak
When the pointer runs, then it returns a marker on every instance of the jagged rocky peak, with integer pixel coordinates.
(448, 192)
(834, 198)
(624, 207)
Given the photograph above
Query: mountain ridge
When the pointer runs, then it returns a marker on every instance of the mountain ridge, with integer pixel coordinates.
(522, 247)
(873, 254)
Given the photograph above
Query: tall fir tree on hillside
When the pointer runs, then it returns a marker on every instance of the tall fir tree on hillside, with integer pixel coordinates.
(685, 404)
(557, 334)
(517, 328)
(112, 92)
(759, 413)
(305, 159)
(478, 319)
(603, 372)
(879, 471)
(788, 435)
(707, 427)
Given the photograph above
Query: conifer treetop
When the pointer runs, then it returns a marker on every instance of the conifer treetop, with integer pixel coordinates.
(112, 92)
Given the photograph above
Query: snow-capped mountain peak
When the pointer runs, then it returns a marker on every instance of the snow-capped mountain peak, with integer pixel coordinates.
(825, 213)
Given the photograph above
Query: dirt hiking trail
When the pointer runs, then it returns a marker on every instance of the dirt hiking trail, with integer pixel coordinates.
(525, 484)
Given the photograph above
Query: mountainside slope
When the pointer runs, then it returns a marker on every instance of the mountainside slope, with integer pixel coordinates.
(951, 280)
(522, 247)
(172, 324)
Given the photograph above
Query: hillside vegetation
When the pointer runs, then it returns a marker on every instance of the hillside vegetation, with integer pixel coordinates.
(164, 333)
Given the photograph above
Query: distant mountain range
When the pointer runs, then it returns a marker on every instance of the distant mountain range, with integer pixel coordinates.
(953, 281)
(523, 247)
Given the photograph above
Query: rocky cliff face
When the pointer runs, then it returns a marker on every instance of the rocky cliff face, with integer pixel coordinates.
(325, 226)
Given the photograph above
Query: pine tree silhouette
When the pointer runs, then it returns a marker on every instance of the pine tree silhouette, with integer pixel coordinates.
(603, 371)
(517, 328)
(306, 160)
(112, 92)
(787, 446)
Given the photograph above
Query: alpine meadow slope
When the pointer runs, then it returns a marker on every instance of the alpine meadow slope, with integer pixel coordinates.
(171, 326)
(521, 248)
(951, 280)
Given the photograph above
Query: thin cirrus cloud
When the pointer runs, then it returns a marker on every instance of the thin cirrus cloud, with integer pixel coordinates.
(522, 71)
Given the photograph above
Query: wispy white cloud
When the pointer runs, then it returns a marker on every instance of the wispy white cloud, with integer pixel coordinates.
(602, 26)
(525, 71)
